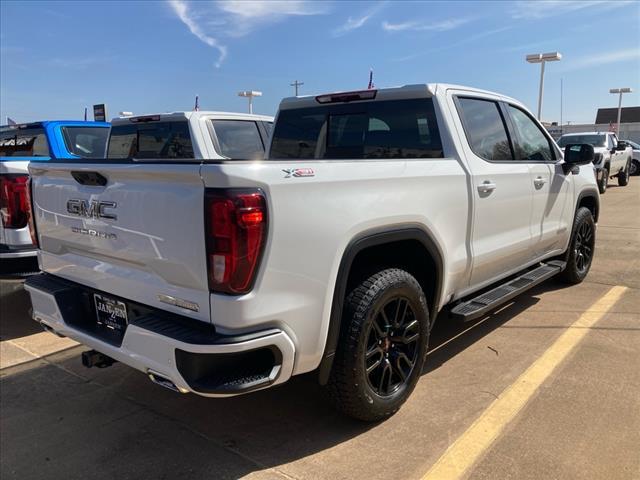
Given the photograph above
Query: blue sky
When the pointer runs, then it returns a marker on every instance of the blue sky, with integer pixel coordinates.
(58, 57)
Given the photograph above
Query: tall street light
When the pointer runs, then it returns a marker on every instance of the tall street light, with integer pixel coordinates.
(620, 91)
(250, 94)
(542, 58)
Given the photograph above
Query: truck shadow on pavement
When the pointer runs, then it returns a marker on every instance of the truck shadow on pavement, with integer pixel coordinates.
(60, 420)
(15, 305)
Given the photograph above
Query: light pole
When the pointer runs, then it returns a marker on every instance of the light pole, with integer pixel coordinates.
(620, 91)
(542, 58)
(250, 94)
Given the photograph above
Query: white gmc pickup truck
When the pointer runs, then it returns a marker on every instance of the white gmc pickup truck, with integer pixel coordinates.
(613, 157)
(372, 212)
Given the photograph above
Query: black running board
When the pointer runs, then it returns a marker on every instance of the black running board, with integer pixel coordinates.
(484, 303)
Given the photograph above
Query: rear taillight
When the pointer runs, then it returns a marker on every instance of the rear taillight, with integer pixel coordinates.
(15, 207)
(236, 229)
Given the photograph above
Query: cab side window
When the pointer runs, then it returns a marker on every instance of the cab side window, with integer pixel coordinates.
(239, 139)
(485, 128)
(532, 143)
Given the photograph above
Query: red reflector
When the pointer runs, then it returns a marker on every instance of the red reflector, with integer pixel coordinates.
(15, 207)
(347, 96)
(236, 226)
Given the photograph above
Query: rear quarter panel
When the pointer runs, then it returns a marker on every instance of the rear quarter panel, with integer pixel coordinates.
(311, 222)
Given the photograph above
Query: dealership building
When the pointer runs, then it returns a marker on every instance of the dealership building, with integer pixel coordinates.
(606, 119)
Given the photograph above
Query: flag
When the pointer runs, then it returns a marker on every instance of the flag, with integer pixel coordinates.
(196, 108)
(10, 121)
(371, 85)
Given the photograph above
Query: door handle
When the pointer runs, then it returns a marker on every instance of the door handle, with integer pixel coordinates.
(539, 182)
(486, 187)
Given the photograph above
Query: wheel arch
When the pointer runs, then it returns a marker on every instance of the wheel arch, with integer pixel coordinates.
(590, 199)
(358, 251)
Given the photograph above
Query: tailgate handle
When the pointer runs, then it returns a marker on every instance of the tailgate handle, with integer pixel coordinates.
(93, 179)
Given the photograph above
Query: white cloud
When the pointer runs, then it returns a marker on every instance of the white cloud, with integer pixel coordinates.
(244, 16)
(357, 22)
(441, 26)
(182, 11)
(536, 10)
(598, 59)
(210, 21)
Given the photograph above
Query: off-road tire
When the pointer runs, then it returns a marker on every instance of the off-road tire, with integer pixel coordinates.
(577, 265)
(602, 184)
(635, 168)
(350, 386)
(623, 176)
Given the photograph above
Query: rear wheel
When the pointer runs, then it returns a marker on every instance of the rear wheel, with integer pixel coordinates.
(581, 248)
(634, 168)
(623, 176)
(383, 344)
(604, 181)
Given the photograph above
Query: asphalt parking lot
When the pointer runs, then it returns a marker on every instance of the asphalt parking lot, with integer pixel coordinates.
(546, 387)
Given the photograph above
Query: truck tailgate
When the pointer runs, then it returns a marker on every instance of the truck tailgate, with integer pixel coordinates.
(151, 250)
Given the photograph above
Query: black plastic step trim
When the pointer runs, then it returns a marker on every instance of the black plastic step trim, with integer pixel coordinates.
(487, 301)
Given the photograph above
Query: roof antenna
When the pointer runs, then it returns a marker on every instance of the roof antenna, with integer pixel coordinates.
(85, 114)
(371, 85)
(196, 108)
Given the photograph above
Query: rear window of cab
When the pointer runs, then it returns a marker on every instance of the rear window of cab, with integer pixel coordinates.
(358, 130)
(24, 142)
(154, 139)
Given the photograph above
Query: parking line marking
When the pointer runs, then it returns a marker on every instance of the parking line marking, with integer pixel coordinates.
(469, 447)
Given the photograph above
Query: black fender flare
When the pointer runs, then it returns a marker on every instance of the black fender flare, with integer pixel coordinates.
(589, 192)
(371, 238)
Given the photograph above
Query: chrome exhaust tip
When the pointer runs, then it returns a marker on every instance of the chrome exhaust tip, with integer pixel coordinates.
(163, 381)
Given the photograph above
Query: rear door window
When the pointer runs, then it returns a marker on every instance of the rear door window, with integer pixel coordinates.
(485, 128)
(238, 139)
(156, 139)
(358, 130)
(87, 142)
(24, 142)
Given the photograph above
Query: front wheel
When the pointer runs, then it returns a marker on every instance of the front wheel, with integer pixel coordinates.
(581, 248)
(604, 181)
(634, 168)
(623, 176)
(383, 344)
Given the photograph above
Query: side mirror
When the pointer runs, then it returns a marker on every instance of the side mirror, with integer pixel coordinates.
(577, 154)
(622, 145)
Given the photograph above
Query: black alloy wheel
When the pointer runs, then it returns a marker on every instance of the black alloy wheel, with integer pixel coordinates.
(585, 241)
(382, 346)
(580, 253)
(392, 346)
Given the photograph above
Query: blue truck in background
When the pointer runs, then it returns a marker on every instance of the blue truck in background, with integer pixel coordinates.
(31, 142)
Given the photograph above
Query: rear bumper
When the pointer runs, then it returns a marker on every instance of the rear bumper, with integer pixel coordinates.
(18, 262)
(191, 355)
(12, 251)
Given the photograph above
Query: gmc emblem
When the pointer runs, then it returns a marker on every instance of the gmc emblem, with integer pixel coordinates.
(93, 209)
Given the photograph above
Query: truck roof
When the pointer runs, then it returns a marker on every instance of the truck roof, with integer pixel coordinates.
(191, 114)
(573, 134)
(420, 90)
(54, 123)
